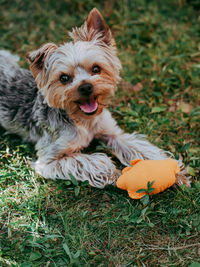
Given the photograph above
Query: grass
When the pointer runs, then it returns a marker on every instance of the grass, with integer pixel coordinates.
(57, 223)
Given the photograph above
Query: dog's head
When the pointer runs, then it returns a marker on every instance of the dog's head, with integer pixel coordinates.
(78, 76)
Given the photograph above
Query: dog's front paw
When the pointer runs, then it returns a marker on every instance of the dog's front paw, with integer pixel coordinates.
(101, 171)
(97, 168)
(127, 147)
(183, 178)
(114, 177)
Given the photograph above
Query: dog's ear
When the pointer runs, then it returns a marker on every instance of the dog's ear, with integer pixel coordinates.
(94, 27)
(38, 58)
(95, 22)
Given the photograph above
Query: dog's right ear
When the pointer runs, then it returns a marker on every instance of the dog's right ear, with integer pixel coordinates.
(38, 58)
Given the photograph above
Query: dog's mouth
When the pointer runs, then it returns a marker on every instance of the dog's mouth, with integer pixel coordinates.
(89, 105)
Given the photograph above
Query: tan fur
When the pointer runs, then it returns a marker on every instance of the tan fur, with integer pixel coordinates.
(38, 57)
(182, 178)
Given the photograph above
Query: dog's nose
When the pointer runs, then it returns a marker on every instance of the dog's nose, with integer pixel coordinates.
(85, 89)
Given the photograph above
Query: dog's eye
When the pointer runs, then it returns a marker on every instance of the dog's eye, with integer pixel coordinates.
(64, 78)
(96, 69)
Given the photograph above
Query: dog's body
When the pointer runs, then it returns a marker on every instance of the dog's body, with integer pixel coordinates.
(68, 111)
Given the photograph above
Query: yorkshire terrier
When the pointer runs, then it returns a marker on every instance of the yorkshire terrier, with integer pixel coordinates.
(60, 105)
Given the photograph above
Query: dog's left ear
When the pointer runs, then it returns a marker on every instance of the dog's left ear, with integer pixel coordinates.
(94, 27)
(38, 58)
(95, 22)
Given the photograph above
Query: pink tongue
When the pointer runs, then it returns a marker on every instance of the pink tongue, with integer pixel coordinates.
(89, 107)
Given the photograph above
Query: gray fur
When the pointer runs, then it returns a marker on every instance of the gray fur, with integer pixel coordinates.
(22, 110)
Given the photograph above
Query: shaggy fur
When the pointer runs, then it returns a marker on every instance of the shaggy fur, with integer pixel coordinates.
(62, 118)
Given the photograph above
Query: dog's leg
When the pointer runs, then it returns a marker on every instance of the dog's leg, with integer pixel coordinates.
(127, 146)
(130, 146)
(97, 168)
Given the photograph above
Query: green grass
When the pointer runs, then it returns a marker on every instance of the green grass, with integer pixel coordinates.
(55, 223)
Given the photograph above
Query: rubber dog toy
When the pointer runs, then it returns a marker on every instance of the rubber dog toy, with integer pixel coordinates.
(162, 172)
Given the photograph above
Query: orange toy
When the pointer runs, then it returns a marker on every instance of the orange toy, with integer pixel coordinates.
(162, 172)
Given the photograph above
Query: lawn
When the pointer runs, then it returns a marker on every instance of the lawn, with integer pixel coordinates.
(58, 223)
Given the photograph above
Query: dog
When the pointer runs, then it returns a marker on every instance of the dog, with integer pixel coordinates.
(60, 105)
